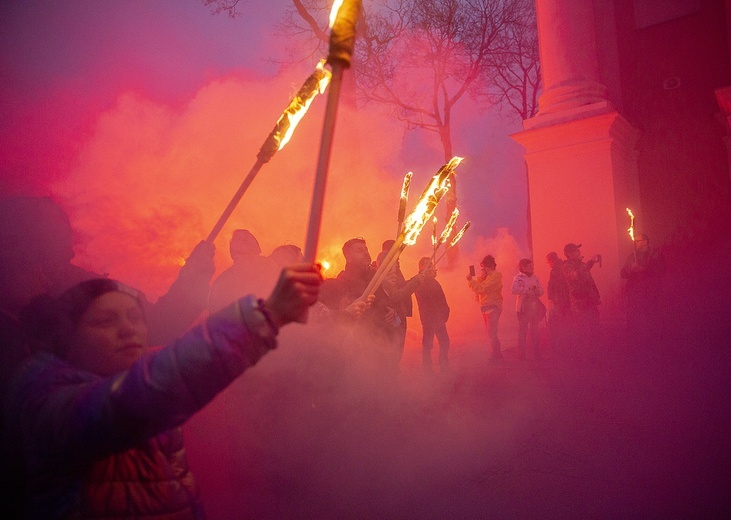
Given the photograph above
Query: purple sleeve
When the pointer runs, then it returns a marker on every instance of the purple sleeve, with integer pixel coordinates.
(75, 414)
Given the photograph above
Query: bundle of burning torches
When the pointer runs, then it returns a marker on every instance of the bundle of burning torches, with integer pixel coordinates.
(415, 222)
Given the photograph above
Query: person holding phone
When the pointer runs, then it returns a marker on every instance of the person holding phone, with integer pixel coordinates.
(488, 289)
(584, 298)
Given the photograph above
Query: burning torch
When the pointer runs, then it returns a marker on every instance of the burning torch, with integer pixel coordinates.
(315, 84)
(434, 239)
(454, 241)
(343, 18)
(414, 223)
(402, 202)
(445, 233)
(631, 229)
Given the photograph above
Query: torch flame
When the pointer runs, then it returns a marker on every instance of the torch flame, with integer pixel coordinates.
(315, 84)
(448, 228)
(454, 241)
(631, 229)
(325, 265)
(337, 4)
(459, 234)
(404, 198)
(422, 213)
(301, 102)
(405, 186)
(434, 233)
(415, 222)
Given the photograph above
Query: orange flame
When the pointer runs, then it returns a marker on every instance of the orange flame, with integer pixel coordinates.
(448, 228)
(454, 241)
(434, 234)
(337, 4)
(631, 229)
(315, 84)
(404, 197)
(301, 102)
(459, 234)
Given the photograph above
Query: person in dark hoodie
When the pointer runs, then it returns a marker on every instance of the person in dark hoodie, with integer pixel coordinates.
(433, 313)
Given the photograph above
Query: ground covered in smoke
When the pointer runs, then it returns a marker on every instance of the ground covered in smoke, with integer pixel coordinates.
(315, 431)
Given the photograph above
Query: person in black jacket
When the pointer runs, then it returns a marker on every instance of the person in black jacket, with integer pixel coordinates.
(434, 313)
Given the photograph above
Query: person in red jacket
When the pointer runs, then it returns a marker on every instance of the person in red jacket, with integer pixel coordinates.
(97, 415)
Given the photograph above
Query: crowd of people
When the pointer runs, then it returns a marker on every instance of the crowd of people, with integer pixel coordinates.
(572, 310)
(91, 415)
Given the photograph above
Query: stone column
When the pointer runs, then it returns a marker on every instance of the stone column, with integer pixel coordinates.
(580, 152)
(569, 66)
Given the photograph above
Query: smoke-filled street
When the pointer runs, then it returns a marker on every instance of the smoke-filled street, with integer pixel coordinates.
(569, 161)
(313, 432)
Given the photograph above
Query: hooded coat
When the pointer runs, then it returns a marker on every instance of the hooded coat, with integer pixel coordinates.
(111, 447)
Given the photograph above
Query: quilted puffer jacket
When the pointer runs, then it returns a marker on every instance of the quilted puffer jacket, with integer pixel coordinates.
(111, 447)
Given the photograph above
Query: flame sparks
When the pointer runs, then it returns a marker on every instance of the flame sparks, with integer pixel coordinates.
(427, 204)
(631, 229)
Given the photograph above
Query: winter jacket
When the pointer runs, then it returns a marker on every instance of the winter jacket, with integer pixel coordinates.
(433, 307)
(489, 290)
(98, 447)
(526, 288)
(582, 289)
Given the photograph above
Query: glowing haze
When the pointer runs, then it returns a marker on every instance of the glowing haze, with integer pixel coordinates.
(143, 119)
